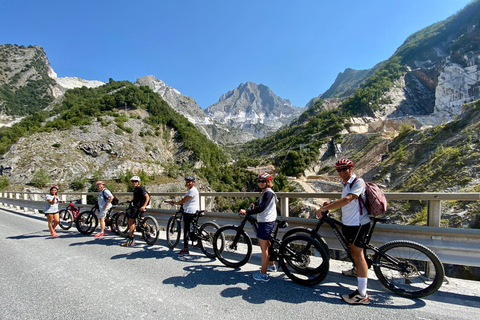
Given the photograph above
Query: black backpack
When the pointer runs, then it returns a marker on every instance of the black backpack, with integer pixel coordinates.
(115, 199)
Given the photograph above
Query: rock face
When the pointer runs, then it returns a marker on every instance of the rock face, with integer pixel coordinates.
(65, 83)
(76, 154)
(254, 108)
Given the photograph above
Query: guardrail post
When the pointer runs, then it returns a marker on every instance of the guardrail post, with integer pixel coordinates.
(17, 197)
(434, 213)
(202, 202)
(25, 197)
(84, 199)
(10, 196)
(35, 198)
(284, 207)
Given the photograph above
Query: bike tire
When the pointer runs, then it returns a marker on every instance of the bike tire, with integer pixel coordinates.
(419, 274)
(304, 260)
(150, 230)
(174, 228)
(308, 232)
(86, 222)
(113, 223)
(205, 239)
(66, 219)
(234, 255)
(121, 224)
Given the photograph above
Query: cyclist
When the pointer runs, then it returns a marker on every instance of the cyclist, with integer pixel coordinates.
(356, 226)
(192, 205)
(266, 210)
(51, 210)
(105, 198)
(141, 198)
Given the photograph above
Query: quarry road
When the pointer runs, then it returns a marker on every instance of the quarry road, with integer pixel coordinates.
(82, 277)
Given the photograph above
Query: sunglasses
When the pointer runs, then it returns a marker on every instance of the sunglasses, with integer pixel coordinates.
(342, 169)
(134, 181)
(262, 181)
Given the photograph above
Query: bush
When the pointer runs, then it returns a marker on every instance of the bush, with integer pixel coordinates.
(40, 178)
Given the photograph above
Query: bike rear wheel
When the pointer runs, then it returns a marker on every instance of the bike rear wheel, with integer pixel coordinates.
(150, 230)
(304, 260)
(121, 224)
(86, 222)
(66, 219)
(408, 269)
(205, 239)
(113, 222)
(237, 246)
(174, 228)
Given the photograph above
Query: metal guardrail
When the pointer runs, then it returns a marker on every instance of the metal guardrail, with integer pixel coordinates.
(453, 246)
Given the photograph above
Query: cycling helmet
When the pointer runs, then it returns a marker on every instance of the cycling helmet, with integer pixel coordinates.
(190, 178)
(135, 178)
(54, 187)
(265, 176)
(344, 163)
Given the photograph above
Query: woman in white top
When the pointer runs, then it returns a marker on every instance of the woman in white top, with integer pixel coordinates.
(51, 210)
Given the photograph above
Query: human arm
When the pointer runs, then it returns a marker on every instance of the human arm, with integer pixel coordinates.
(266, 199)
(147, 200)
(184, 200)
(335, 204)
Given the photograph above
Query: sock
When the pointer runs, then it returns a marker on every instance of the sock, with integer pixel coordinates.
(362, 286)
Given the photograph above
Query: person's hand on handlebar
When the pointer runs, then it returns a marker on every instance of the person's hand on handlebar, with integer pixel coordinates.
(170, 202)
(242, 212)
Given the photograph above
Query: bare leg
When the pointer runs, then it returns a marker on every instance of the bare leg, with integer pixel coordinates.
(264, 244)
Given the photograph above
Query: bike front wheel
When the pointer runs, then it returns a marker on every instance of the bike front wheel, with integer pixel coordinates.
(121, 224)
(237, 246)
(408, 269)
(66, 219)
(150, 230)
(86, 222)
(174, 228)
(205, 239)
(304, 260)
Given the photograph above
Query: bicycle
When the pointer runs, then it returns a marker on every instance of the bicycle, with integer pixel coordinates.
(68, 215)
(87, 221)
(303, 259)
(406, 268)
(145, 224)
(202, 234)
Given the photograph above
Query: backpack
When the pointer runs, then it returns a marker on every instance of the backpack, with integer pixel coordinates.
(376, 203)
(114, 201)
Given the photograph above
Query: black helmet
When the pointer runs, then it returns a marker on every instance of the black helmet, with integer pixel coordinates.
(190, 178)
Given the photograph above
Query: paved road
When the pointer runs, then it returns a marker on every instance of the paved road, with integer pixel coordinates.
(80, 277)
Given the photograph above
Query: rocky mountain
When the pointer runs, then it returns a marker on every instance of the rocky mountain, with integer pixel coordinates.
(188, 107)
(254, 108)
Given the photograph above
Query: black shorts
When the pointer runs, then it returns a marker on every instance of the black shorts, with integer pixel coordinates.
(133, 213)
(356, 234)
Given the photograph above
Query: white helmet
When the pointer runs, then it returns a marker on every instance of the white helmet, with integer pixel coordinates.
(135, 178)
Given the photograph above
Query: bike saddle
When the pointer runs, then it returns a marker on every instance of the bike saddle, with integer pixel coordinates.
(282, 222)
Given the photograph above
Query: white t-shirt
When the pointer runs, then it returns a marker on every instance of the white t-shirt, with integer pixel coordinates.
(51, 208)
(193, 204)
(351, 212)
(103, 197)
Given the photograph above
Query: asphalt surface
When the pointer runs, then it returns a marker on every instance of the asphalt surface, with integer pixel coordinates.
(82, 277)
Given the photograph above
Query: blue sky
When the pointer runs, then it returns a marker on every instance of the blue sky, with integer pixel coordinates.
(206, 48)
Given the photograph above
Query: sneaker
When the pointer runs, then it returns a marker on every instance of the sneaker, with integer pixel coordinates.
(197, 246)
(128, 243)
(356, 298)
(184, 252)
(100, 234)
(272, 268)
(350, 273)
(261, 277)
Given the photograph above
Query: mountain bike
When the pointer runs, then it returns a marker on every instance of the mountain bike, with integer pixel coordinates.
(406, 268)
(68, 215)
(203, 234)
(87, 221)
(145, 224)
(303, 259)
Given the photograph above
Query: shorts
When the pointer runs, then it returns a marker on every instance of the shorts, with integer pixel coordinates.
(47, 213)
(133, 213)
(356, 234)
(103, 212)
(265, 230)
